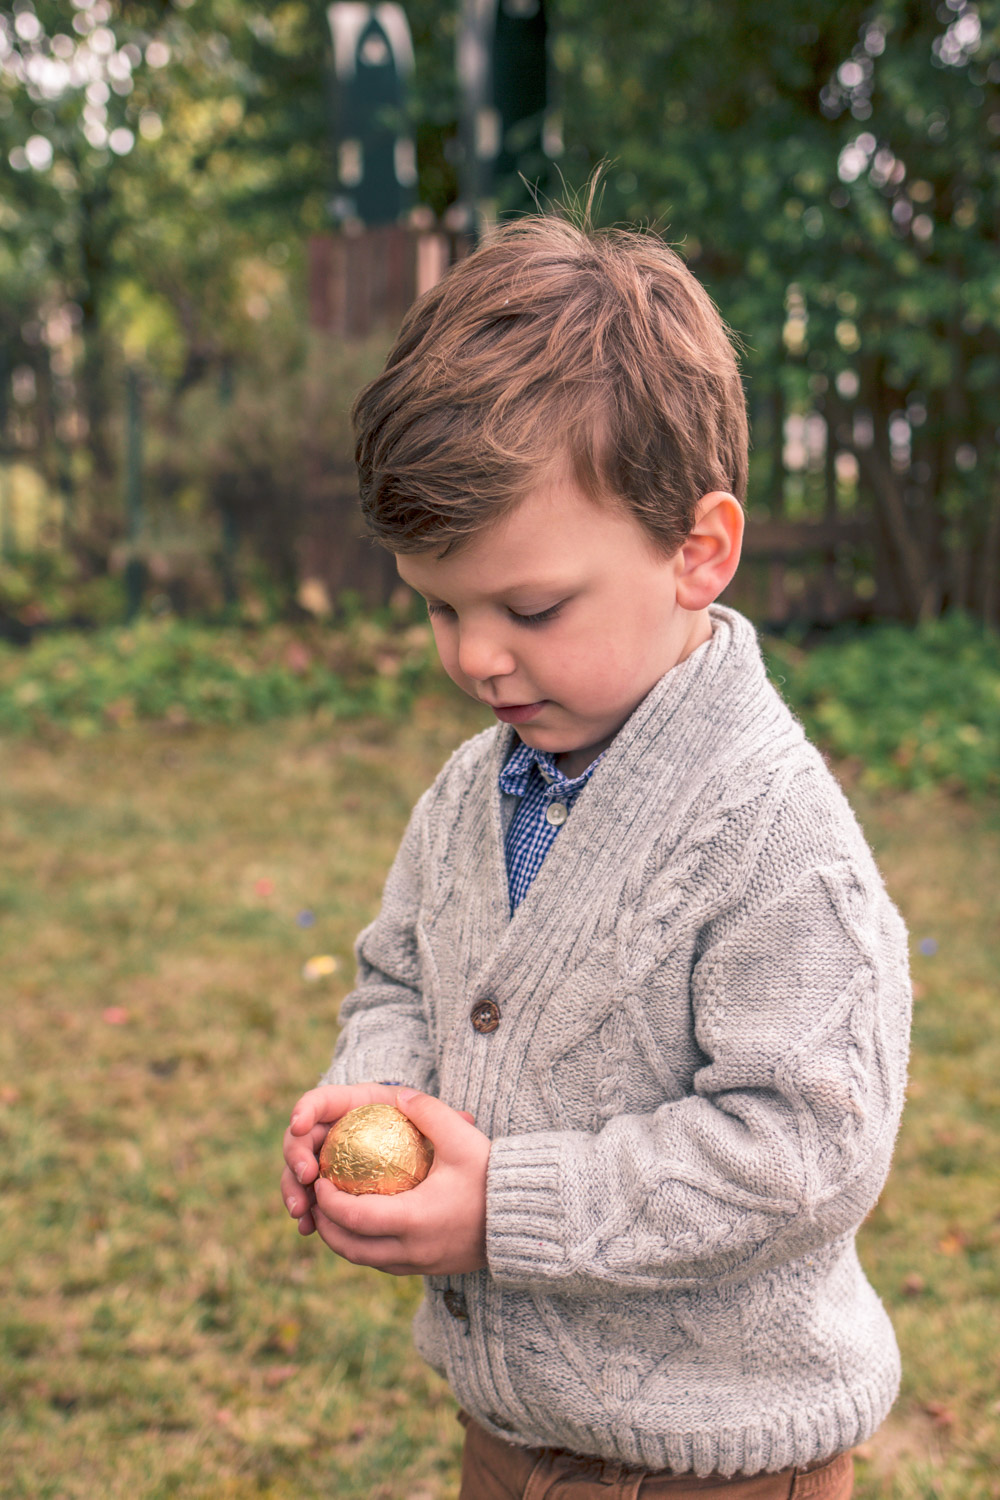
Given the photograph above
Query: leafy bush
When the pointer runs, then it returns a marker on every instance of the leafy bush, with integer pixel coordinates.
(911, 707)
(908, 707)
(52, 587)
(179, 674)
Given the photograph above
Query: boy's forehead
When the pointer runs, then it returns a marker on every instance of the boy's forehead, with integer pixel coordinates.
(551, 536)
(488, 570)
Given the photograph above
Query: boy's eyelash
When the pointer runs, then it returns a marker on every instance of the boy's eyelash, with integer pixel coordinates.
(540, 618)
(536, 619)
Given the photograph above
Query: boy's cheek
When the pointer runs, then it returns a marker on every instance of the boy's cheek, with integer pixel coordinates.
(457, 676)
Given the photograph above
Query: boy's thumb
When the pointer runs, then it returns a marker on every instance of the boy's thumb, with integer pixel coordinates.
(431, 1116)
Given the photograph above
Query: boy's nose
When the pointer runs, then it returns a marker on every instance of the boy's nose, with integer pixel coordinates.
(481, 656)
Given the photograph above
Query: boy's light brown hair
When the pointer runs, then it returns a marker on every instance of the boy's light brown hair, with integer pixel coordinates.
(551, 346)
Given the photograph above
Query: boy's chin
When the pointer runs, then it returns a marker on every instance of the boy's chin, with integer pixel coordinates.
(572, 759)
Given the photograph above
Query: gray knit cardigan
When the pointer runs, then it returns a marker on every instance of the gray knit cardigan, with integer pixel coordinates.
(692, 1091)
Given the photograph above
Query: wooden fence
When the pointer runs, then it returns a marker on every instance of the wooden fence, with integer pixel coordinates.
(844, 483)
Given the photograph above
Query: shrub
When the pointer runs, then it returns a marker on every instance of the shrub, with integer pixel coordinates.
(911, 706)
(906, 707)
(178, 674)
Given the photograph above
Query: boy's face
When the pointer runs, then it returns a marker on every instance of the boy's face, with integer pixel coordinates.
(561, 617)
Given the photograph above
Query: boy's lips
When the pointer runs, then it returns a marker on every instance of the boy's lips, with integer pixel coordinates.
(517, 713)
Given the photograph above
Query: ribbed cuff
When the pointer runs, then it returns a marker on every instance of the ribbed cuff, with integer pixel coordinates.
(525, 1219)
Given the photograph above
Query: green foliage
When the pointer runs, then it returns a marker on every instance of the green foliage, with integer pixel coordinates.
(835, 186)
(52, 587)
(252, 447)
(908, 707)
(911, 707)
(179, 675)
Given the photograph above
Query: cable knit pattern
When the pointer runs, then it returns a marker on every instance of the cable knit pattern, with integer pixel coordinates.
(692, 1093)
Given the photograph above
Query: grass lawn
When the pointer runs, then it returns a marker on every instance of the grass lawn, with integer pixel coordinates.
(165, 1331)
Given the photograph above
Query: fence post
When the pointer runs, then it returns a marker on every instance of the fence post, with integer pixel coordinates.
(777, 597)
(6, 513)
(6, 488)
(135, 572)
(230, 519)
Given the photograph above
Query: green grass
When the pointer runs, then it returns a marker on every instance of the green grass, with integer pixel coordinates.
(165, 1331)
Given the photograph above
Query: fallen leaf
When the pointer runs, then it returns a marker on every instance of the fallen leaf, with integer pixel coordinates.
(913, 1284)
(115, 1015)
(940, 1414)
(953, 1242)
(279, 1374)
(163, 1067)
(284, 1338)
(319, 967)
(298, 658)
(9, 1094)
(263, 887)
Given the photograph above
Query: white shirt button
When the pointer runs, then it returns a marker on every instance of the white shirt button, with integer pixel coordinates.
(556, 813)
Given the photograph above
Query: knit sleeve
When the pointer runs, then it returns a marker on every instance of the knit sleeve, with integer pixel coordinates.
(801, 1009)
(384, 1033)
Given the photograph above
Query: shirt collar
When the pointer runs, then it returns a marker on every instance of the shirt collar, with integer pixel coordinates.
(516, 773)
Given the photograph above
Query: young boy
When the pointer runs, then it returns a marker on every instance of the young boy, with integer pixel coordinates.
(633, 932)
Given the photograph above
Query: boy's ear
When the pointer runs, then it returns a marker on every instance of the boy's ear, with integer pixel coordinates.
(710, 556)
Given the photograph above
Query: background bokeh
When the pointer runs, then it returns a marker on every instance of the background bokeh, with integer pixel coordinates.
(169, 398)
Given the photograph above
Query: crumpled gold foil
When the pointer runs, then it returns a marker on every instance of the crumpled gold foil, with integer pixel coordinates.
(375, 1149)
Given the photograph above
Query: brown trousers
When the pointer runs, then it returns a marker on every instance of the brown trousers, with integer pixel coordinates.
(493, 1470)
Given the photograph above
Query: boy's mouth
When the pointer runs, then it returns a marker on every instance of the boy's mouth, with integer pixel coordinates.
(517, 713)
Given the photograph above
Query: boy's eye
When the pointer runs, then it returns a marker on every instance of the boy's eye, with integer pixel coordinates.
(539, 618)
(536, 619)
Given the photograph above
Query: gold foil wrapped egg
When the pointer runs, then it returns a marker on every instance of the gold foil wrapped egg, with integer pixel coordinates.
(375, 1149)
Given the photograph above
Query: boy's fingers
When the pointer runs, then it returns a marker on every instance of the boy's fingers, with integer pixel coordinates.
(382, 1253)
(331, 1100)
(314, 1106)
(296, 1199)
(367, 1214)
(301, 1154)
(433, 1118)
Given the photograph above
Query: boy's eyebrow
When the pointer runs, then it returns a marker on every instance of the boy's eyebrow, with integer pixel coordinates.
(531, 585)
(542, 584)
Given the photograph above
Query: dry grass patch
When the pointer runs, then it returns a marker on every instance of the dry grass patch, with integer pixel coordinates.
(166, 1331)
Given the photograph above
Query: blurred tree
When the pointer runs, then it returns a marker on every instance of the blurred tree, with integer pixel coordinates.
(830, 171)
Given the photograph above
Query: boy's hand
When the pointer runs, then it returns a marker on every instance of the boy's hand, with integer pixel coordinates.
(434, 1229)
(312, 1117)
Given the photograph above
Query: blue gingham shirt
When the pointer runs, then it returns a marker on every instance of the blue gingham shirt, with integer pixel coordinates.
(546, 801)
